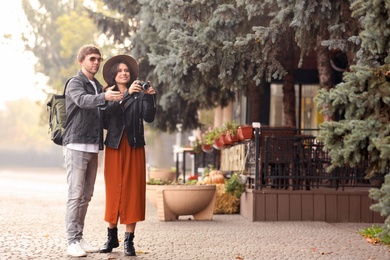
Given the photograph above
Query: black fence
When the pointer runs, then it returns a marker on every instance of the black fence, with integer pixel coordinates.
(289, 158)
(300, 162)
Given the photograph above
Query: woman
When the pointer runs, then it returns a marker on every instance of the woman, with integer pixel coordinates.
(125, 166)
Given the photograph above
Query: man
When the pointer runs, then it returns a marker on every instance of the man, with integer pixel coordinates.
(83, 138)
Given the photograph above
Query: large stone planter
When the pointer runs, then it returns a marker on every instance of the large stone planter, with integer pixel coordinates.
(162, 174)
(151, 194)
(181, 200)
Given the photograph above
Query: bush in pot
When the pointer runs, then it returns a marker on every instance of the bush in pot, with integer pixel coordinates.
(174, 199)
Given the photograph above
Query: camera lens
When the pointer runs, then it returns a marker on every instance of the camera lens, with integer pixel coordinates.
(144, 85)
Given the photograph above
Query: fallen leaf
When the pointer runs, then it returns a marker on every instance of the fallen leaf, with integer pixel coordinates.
(372, 240)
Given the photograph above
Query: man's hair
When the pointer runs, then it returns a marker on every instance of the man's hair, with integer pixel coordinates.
(87, 50)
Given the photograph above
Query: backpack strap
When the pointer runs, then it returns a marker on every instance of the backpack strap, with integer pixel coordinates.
(66, 84)
(74, 111)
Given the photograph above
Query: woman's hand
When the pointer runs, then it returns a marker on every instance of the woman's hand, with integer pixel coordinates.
(136, 87)
(150, 90)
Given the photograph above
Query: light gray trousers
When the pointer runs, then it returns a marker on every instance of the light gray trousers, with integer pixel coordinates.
(81, 170)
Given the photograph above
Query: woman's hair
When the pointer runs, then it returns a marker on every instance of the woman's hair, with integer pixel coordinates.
(114, 71)
(87, 50)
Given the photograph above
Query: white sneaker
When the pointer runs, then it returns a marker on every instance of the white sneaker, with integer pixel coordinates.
(75, 249)
(87, 247)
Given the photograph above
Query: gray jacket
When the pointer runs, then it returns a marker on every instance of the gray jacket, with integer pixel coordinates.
(84, 122)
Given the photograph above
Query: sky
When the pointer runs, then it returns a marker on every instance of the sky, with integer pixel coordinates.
(18, 79)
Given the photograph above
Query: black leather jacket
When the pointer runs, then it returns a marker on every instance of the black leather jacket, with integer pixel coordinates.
(128, 116)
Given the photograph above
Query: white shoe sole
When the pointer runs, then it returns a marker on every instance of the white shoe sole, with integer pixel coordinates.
(77, 255)
(91, 250)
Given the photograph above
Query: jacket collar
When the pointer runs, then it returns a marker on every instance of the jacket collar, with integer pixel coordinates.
(85, 80)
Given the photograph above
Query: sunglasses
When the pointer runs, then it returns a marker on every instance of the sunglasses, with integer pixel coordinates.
(93, 59)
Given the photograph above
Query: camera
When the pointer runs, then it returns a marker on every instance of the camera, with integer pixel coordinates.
(144, 85)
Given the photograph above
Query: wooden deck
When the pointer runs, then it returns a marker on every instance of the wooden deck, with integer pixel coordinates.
(329, 205)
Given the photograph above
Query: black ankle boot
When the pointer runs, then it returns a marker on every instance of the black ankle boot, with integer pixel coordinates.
(129, 245)
(112, 241)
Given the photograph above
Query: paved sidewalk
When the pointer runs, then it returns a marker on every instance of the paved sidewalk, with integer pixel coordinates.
(32, 208)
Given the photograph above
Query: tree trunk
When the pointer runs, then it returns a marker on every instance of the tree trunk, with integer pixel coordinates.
(323, 65)
(288, 82)
(324, 68)
(227, 113)
(217, 117)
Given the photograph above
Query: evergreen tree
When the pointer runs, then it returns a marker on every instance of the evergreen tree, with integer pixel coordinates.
(139, 39)
(202, 53)
(319, 26)
(363, 100)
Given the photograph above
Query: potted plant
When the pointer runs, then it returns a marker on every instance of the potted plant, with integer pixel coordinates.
(181, 200)
(151, 187)
(163, 174)
(245, 132)
(207, 140)
(231, 132)
(219, 140)
(174, 199)
(217, 137)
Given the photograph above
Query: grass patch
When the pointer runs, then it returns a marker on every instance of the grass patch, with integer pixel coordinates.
(372, 235)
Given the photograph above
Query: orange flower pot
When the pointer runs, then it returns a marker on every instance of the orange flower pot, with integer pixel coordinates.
(245, 132)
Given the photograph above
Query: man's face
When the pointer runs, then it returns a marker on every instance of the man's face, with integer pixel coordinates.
(91, 63)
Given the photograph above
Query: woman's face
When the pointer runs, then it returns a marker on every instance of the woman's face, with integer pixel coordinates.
(122, 74)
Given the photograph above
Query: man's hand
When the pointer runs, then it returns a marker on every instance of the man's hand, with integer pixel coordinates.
(112, 95)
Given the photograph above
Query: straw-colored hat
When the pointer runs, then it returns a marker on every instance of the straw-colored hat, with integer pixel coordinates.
(126, 58)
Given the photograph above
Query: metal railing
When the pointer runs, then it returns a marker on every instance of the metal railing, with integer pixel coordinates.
(289, 158)
(299, 162)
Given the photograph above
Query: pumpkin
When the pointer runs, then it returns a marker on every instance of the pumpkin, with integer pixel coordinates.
(214, 177)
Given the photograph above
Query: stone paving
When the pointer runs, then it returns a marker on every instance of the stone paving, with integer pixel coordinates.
(32, 208)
